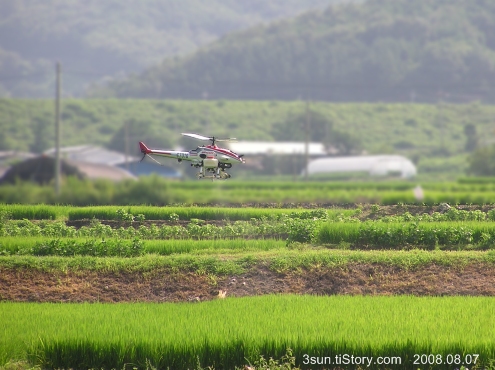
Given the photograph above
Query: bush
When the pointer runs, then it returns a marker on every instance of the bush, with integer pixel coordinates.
(301, 231)
(95, 248)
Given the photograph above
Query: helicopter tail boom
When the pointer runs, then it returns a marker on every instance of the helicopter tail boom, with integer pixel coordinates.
(165, 153)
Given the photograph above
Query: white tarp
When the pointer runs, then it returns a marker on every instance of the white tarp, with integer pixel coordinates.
(375, 165)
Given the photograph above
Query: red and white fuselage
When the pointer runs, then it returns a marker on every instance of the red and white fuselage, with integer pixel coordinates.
(210, 157)
(197, 155)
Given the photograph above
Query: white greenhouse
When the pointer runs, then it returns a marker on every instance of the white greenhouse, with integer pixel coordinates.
(375, 165)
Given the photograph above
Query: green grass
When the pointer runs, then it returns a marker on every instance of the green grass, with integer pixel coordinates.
(224, 262)
(75, 246)
(206, 247)
(224, 333)
(33, 212)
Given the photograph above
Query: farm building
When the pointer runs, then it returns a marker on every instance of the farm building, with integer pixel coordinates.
(274, 157)
(97, 162)
(374, 165)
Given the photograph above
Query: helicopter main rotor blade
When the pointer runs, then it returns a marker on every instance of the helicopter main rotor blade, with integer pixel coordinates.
(196, 136)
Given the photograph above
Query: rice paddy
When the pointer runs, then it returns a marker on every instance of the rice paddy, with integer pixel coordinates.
(229, 333)
(221, 242)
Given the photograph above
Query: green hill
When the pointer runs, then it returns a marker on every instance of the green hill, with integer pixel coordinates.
(378, 50)
(96, 39)
(436, 137)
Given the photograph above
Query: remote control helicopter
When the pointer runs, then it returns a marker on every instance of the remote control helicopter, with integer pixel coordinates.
(211, 160)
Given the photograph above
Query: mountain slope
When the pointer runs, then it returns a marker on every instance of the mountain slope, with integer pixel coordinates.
(392, 50)
(94, 39)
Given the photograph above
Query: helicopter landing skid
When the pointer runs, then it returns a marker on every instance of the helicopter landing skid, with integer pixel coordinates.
(220, 176)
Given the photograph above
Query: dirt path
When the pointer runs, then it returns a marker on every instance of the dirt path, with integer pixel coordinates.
(164, 286)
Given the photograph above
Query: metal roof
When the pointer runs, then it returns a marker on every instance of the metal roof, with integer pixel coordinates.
(280, 148)
(102, 171)
(92, 154)
(14, 155)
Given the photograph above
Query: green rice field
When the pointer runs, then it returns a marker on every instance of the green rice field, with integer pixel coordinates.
(228, 333)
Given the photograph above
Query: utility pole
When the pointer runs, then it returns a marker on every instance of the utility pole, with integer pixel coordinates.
(126, 139)
(441, 121)
(306, 142)
(412, 97)
(206, 112)
(58, 70)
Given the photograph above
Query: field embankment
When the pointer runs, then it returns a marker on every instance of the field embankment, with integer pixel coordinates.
(162, 279)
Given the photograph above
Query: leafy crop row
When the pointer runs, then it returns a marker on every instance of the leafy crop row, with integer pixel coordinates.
(193, 230)
(369, 234)
(453, 214)
(15, 246)
(96, 248)
(188, 213)
(276, 226)
(448, 235)
(140, 213)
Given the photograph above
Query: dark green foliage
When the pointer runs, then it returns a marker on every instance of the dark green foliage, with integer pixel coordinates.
(43, 134)
(482, 161)
(411, 122)
(344, 142)
(320, 128)
(301, 231)
(403, 144)
(295, 127)
(471, 137)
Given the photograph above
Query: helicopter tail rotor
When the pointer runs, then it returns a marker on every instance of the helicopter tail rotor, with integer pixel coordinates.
(144, 149)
